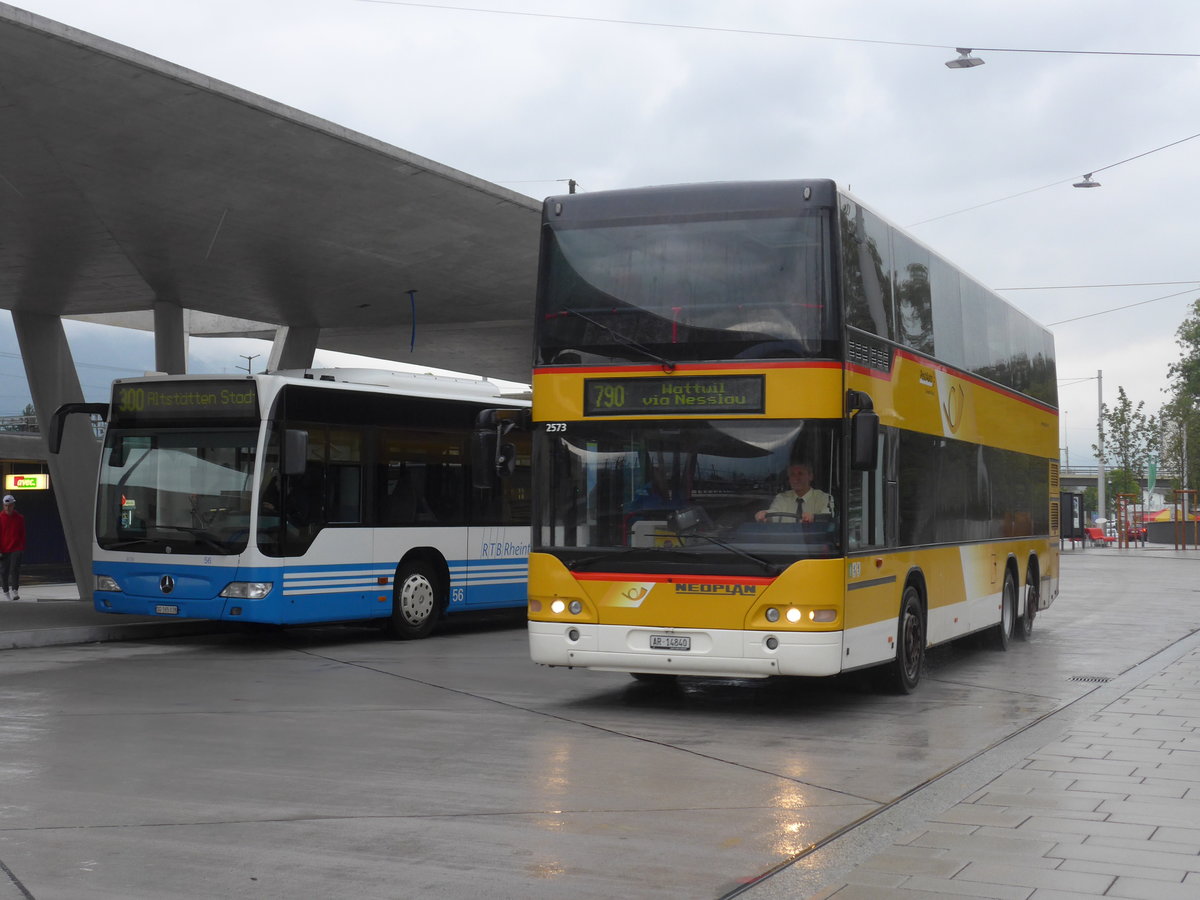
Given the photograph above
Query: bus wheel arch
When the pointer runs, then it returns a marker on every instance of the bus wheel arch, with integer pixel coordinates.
(1033, 589)
(420, 594)
(903, 674)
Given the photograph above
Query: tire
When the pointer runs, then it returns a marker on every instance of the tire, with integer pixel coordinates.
(1001, 634)
(903, 674)
(417, 602)
(1024, 625)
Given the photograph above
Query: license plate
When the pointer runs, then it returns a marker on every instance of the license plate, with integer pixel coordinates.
(164, 609)
(670, 642)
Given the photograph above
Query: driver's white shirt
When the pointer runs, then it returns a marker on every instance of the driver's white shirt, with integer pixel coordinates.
(816, 503)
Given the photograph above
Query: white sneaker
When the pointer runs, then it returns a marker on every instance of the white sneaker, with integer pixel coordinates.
(16, 596)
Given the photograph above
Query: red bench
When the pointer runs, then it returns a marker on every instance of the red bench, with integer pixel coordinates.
(1098, 537)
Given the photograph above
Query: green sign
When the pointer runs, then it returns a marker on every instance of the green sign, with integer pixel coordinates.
(674, 395)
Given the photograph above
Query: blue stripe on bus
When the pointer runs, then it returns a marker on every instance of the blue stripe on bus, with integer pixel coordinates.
(315, 593)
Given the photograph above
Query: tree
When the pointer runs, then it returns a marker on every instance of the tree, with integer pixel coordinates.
(30, 423)
(1130, 437)
(1185, 372)
(1181, 415)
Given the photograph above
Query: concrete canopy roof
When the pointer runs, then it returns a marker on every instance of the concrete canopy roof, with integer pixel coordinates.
(125, 179)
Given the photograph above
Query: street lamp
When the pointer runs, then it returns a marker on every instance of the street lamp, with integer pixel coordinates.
(964, 60)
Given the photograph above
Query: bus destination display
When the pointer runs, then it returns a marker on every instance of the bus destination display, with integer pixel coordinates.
(674, 395)
(184, 401)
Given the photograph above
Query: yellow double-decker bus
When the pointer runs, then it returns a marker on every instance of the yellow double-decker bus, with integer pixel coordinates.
(776, 435)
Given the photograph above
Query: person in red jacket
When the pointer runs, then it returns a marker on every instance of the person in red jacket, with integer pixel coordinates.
(12, 548)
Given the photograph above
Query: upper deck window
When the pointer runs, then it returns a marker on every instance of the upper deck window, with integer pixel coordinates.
(687, 289)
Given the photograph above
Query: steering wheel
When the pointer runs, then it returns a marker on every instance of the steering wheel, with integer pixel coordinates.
(795, 517)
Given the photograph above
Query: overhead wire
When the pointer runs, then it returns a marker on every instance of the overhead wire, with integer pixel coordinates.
(1071, 287)
(822, 37)
(1055, 183)
(1102, 312)
(764, 33)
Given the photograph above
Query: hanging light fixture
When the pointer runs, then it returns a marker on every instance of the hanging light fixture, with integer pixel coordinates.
(1088, 181)
(964, 60)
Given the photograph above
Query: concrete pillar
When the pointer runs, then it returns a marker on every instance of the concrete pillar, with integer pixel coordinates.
(293, 348)
(53, 381)
(170, 338)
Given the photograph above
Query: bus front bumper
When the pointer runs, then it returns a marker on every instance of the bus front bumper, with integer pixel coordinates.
(740, 654)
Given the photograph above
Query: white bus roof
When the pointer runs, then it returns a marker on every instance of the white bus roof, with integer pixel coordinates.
(421, 384)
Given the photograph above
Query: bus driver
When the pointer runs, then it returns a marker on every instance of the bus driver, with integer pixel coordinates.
(800, 502)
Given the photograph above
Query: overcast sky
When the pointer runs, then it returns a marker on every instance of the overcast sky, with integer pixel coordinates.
(530, 100)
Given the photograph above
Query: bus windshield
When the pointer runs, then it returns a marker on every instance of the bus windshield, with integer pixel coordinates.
(176, 491)
(674, 496)
(687, 290)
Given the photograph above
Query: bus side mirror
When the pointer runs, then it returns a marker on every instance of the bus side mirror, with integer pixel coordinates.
(119, 454)
(59, 420)
(490, 457)
(506, 460)
(295, 451)
(864, 440)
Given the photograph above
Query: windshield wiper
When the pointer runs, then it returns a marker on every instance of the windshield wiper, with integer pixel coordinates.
(612, 554)
(198, 534)
(125, 545)
(625, 340)
(768, 566)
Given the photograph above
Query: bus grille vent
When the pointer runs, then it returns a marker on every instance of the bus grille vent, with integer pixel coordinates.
(1055, 519)
(871, 356)
(1054, 487)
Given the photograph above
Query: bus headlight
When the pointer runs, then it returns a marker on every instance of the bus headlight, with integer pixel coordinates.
(574, 607)
(107, 583)
(247, 590)
(822, 615)
(772, 614)
(793, 615)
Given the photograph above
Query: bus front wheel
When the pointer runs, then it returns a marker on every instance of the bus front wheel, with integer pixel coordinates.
(903, 674)
(416, 602)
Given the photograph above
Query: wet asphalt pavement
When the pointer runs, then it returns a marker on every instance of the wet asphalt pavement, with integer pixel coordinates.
(329, 762)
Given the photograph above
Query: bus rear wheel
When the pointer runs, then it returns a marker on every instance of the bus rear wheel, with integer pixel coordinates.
(416, 602)
(1024, 626)
(1001, 634)
(903, 674)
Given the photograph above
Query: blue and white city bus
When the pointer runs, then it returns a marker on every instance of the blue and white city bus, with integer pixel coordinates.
(307, 496)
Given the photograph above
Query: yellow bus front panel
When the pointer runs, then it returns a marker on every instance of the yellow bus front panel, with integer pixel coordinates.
(752, 627)
(820, 617)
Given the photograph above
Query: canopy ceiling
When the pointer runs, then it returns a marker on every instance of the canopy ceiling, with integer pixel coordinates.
(125, 179)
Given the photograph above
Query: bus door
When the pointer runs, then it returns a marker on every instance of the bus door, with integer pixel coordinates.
(498, 543)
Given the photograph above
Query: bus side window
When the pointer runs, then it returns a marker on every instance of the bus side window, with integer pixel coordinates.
(343, 476)
(866, 504)
(866, 276)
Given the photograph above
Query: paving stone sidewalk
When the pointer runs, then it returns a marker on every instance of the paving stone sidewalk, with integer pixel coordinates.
(1110, 809)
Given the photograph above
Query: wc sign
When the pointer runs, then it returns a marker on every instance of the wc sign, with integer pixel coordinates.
(37, 482)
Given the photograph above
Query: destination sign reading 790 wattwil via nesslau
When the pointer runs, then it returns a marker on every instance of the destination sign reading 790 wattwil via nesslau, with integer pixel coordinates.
(673, 395)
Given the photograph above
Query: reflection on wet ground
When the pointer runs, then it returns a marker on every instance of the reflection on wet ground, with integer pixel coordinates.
(329, 761)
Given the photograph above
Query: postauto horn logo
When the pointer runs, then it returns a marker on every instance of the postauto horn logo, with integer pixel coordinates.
(628, 594)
